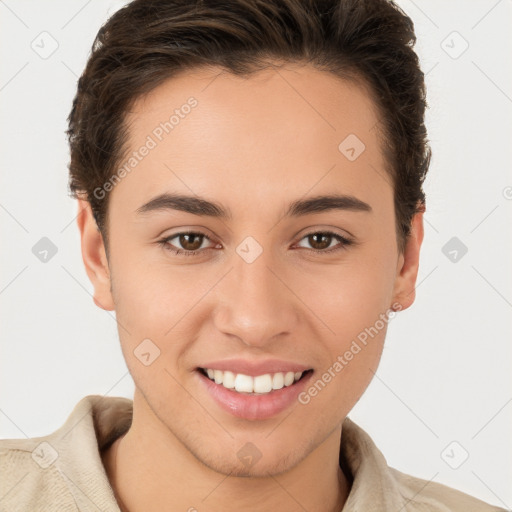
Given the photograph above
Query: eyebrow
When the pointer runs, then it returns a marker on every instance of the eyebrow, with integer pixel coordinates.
(199, 206)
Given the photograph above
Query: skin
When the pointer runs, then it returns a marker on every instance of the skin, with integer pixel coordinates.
(253, 145)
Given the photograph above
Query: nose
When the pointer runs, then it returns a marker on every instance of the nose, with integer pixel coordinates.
(255, 302)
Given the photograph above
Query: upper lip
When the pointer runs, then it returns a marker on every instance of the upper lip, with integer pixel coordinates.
(254, 368)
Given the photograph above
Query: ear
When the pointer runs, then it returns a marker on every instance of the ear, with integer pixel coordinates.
(408, 264)
(94, 256)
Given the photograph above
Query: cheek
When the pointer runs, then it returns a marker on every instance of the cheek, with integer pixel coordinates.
(150, 294)
(161, 303)
(357, 310)
(356, 306)
(354, 295)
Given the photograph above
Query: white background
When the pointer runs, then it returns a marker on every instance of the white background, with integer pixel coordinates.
(445, 372)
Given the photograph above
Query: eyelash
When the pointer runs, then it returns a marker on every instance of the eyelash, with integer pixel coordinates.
(345, 242)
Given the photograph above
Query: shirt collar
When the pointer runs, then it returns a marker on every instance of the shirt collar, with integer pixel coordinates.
(97, 421)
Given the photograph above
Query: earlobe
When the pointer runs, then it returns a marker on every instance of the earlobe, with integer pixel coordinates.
(408, 265)
(94, 256)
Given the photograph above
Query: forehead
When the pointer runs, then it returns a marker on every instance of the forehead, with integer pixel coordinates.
(290, 128)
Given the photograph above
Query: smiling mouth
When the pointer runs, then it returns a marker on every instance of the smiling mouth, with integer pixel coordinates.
(257, 385)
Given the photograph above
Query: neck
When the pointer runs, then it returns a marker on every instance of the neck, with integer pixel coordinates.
(150, 469)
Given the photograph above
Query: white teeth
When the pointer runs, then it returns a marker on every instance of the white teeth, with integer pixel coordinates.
(260, 384)
(244, 383)
(263, 383)
(278, 381)
(289, 378)
(228, 380)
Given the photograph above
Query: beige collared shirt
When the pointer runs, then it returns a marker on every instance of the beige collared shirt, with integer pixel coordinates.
(64, 472)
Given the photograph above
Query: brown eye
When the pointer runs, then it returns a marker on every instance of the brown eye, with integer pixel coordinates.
(186, 244)
(319, 241)
(322, 242)
(190, 241)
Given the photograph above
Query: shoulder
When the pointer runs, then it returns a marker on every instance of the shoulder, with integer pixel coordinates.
(375, 482)
(28, 472)
(426, 495)
(63, 470)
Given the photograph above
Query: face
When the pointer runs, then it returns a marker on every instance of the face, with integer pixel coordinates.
(270, 282)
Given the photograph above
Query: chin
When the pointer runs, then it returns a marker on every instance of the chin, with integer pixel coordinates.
(249, 463)
(259, 470)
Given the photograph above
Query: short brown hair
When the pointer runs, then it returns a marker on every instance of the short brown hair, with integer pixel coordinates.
(149, 41)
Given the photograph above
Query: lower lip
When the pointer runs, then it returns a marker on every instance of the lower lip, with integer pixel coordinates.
(254, 407)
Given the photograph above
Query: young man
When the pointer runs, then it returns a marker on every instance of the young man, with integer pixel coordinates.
(249, 178)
